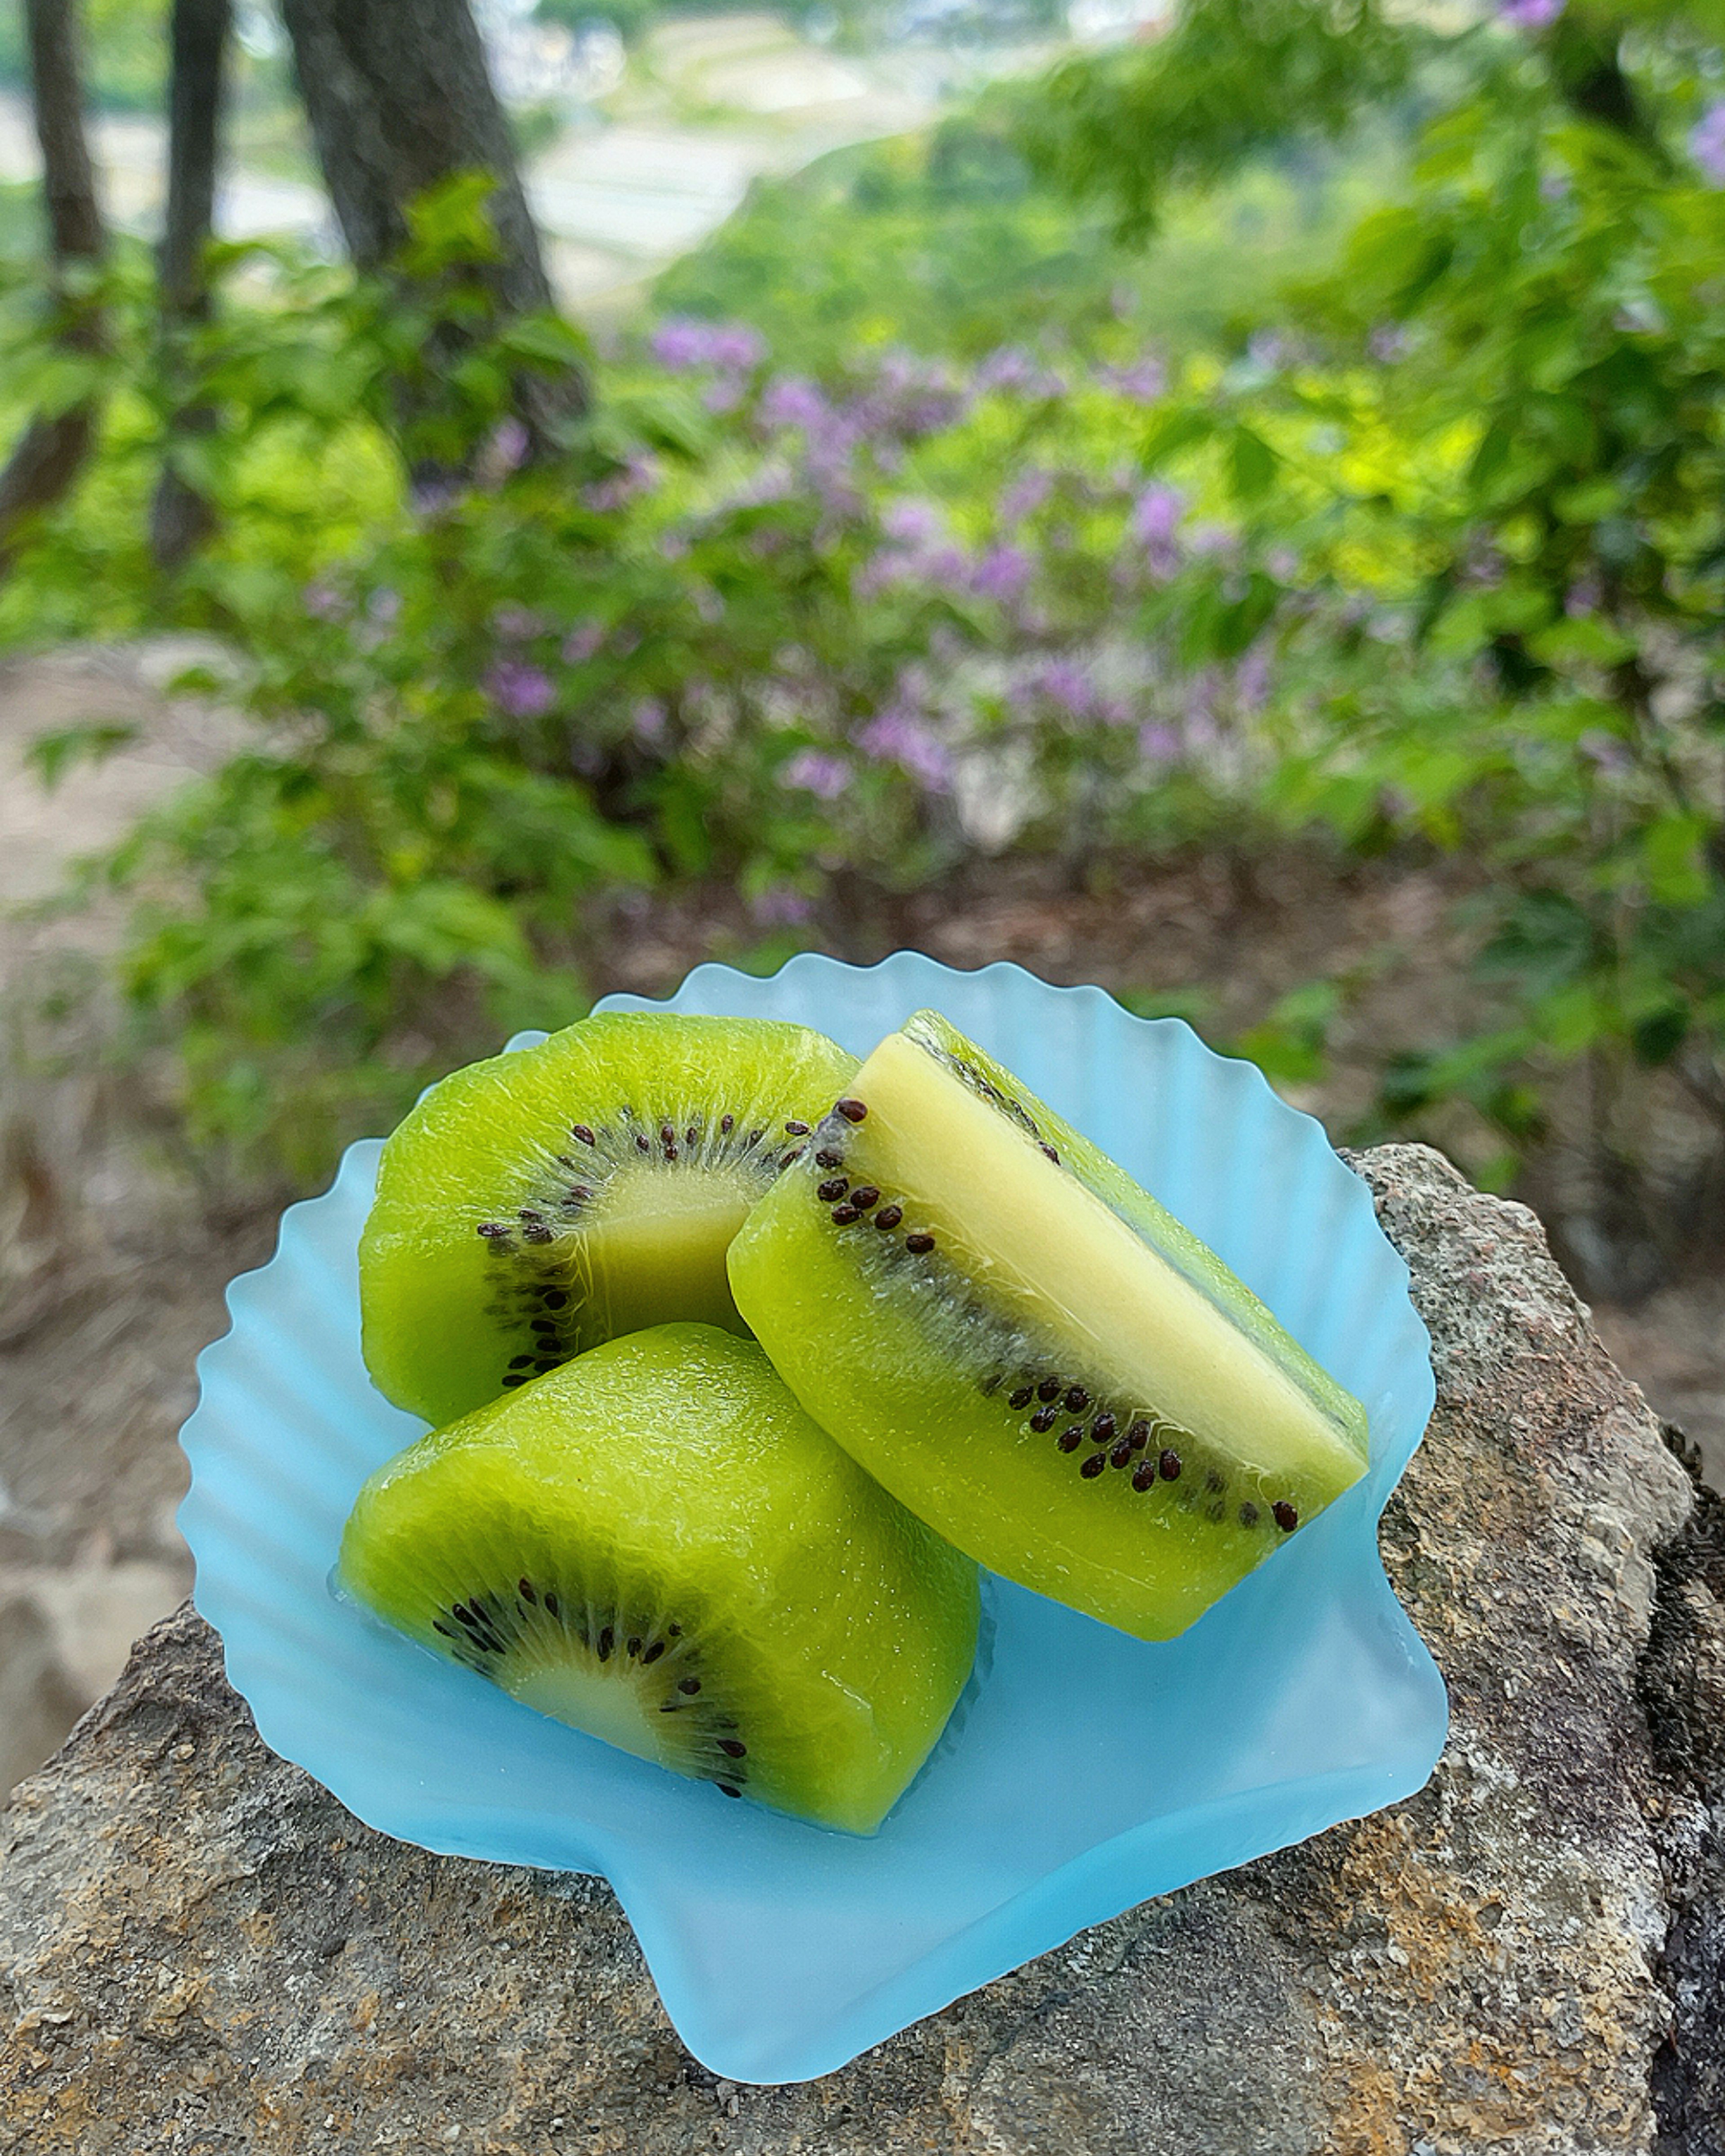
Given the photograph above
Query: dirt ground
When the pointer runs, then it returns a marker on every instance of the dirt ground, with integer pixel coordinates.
(112, 1265)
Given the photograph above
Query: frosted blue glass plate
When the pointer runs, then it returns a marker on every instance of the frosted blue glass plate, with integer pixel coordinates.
(1083, 1773)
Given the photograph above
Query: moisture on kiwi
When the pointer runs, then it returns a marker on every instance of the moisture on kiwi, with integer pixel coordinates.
(1029, 1352)
(537, 1203)
(655, 1543)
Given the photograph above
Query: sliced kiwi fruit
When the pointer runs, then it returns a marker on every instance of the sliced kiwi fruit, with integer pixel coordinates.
(536, 1204)
(1028, 1350)
(655, 1543)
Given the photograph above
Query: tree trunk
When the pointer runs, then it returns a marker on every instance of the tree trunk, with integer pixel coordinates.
(52, 451)
(181, 519)
(400, 99)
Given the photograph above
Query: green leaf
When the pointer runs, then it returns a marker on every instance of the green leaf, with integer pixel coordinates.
(54, 755)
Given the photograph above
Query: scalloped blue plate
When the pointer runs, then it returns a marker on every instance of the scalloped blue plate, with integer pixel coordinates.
(1083, 1773)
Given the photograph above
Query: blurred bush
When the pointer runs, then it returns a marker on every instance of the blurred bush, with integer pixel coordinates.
(1428, 564)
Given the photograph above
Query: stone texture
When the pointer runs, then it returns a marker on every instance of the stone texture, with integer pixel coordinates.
(202, 1953)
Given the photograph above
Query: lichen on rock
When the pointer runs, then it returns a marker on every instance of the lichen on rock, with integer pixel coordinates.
(201, 1953)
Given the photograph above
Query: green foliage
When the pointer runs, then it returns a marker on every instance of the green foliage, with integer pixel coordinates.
(1425, 557)
(947, 243)
(1232, 77)
(1481, 471)
(125, 49)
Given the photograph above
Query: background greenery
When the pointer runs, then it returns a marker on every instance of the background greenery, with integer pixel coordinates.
(1108, 476)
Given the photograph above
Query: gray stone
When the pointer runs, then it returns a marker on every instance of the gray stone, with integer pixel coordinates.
(201, 1954)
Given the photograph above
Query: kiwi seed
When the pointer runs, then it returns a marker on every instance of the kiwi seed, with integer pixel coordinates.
(1144, 1474)
(826, 1158)
(853, 1112)
(1022, 1397)
(1169, 1466)
(1286, 1517)
(1049, 1389)
(919, 1245)
(832, 1189)
(581, 1132)
(797, 1130)
(1071, 1439)
(1249, 1514)
(1044, 1418)
(865, 1197)
(1103, 1428)
(889, 1217)
(1094, 1466)
(1077, 1399)
(844, 1214)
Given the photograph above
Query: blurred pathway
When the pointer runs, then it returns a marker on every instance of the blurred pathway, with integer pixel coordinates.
(708, 105)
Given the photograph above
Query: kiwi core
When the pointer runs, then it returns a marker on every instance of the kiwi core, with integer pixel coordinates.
(655, 1249)
(601, 1700)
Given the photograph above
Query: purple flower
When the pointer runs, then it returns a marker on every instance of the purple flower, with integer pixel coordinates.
(1157, 514)
(1251, 677)
(516, 624)
(521, 691)
(581, 642)
(1002, 573)
(815, 771)
(1584, 596)
(1268, 349)
(897, 737)
(1065, 684)
(1144, 382)
(1019, 373)
(1530, 14)
(912, 523)
(323, 602)
(507, 449)
(1387, 343)
(1707, 143)
(782, 908)
(649, 721)
(1153, 524)
(682, 343)
(792, 401)
(1025, 496)
(1159, 743)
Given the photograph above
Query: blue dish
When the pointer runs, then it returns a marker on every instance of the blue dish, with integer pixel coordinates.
(1083, 1773)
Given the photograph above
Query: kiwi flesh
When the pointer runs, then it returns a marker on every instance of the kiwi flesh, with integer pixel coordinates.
(654, 1543)
(1028, 1350)
(537, 1203)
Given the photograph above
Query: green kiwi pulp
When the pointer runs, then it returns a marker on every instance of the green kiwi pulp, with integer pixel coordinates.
(1031, 1353)
(654, 1543)
(536, 1204)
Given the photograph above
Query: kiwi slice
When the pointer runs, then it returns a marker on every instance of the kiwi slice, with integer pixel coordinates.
(537, 1203)
(655, 1543)
(1029, 1352)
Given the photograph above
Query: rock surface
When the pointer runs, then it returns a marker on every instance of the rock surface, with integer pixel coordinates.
(201, 1953)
